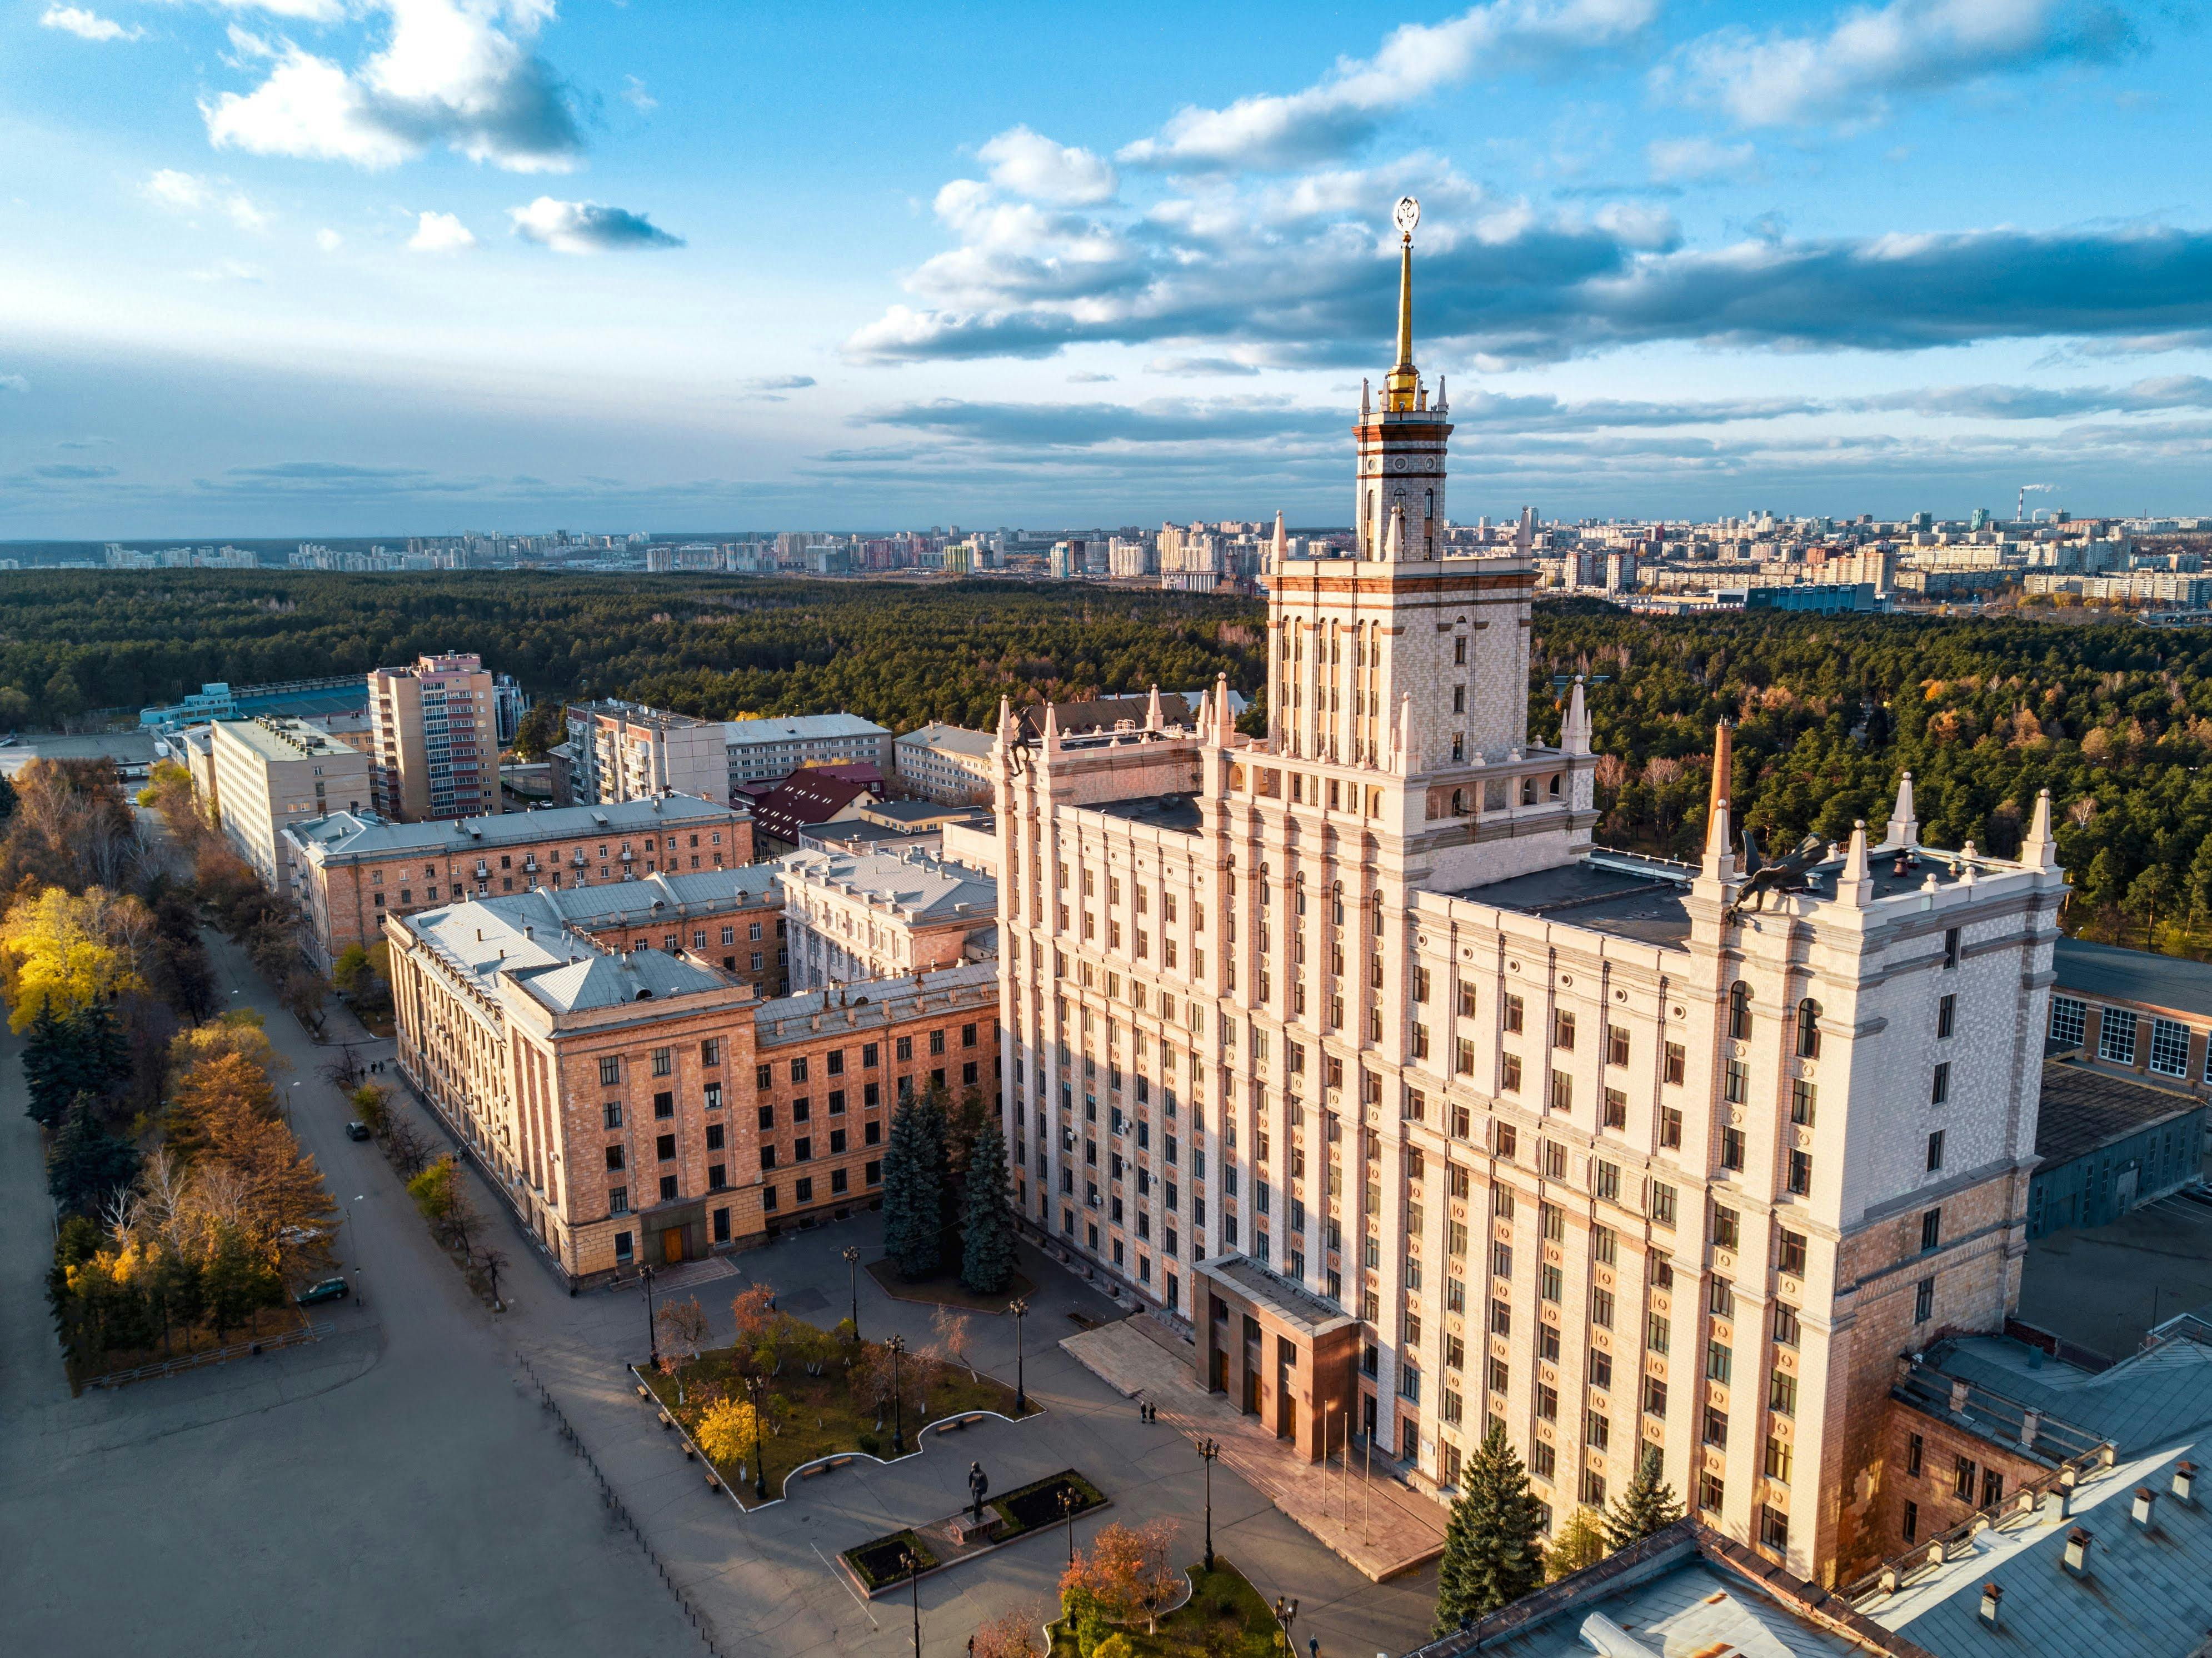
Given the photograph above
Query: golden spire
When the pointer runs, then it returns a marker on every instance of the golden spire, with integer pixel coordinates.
(1401, 386)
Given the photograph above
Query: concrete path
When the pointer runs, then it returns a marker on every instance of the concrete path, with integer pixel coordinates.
(1380, 1527)
(399, 1488)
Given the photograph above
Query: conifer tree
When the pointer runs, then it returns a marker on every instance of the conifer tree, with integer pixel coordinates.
(52, 1067)
(1492, 1552)
(88, 1163)
(1647, 1505)
(987, 1253)
(1577, 1546)
(914, 1194)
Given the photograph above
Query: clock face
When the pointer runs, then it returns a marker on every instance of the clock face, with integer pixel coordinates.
(1407, 215)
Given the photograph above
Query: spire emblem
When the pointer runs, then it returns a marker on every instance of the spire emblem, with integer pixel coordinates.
(1404, 381)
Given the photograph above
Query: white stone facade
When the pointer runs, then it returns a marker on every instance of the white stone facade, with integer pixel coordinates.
(1358, 1000)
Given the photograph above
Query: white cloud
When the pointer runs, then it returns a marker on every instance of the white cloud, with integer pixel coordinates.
(636, 95)
(309, 11)
(329, 240)
(455, 72)
(1029, 165)
(441, 233)
(587, 228)
(87, 25)
(1333, 115)
(226, 271)
(1848, 74)
(14, 383)
(1677, 161)
(186, 192)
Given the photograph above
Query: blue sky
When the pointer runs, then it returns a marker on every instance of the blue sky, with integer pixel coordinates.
(335, 267)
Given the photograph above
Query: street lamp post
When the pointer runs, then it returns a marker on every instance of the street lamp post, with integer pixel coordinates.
(652, 1332)
(1207, 1450)
(852, 1260)
(1068, 1513)
(757, 1385)
(897, 1345)
(1019, 1309)
(914, 1577)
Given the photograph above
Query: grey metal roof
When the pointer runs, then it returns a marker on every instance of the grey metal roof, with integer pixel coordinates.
(923, 889)
(615, 904)
(2148, 1592)
(1293, 1302)
(1177, 812)
(2083, 1108)
(602, 981)
(521, 938)
(954, 739)
(2146, 1400)
(364, 834)
(2133, 975)
(971, 986)
(1690, 1608)
(798, 728)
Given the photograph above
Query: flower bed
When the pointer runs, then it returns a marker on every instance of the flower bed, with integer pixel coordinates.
(1038, 1503)
(1224, 1618)
(882, 1561)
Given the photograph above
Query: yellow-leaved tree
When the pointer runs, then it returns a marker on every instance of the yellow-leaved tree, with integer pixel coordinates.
(728, 1430)
(64, 951)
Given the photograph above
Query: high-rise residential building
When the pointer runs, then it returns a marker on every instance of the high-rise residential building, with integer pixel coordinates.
(1345, 1046)
(434, 738)
(267, 775)
(509, 703)
(626, 751)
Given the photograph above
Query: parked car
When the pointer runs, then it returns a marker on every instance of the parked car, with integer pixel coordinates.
(329, 1289)
(356, 1131)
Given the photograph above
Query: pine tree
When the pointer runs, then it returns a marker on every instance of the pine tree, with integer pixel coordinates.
(913, 1194)
(53, 1070)
(87, 1164)
(987, 1253)
(1577, 1546)
(1647, 1505)
(1492, 1552)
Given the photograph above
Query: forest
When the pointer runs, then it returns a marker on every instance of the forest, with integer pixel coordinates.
(2114, 720)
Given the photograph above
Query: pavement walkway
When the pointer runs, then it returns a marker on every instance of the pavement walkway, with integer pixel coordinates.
(1379, 1525)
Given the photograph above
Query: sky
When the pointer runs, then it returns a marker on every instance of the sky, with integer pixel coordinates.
(393, 267)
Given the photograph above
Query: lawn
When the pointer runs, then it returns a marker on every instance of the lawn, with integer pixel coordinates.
(1224, 1617)
(826, 1414)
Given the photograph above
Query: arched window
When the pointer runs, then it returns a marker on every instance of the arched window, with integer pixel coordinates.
(1552, 788)
(1459, 803)
(1266, 894)
(1809, 1029)
(1302, 895)
(1740, 1011)
(1527, 791)
(1433, 504)
(1336, 903)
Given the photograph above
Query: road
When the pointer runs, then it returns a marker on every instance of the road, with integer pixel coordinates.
(396, 1488)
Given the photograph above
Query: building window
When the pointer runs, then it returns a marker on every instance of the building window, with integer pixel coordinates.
(1732, 1148)
(1785, 1326)
(1912, 1527)
(1662, 1204)
(1800, 1171)
(1791, 1260)
(618, 1201)
(2069, 1021)
(611, 1071)
(1616, 1108)
(2117, 1041)
(1670, 1128)
(1726, 1228)
(1711, 1492)
(1923, 1301)
(1740, 1011)
(1802, 1098)
(1809, 1029)
(2169, 1048)
(1934, 1150)
(1735, 1083)
(1931, 1230)
(1946, 1016)
(1782, 1393)
(1773, 1524)
(1939, 1092)
(1678, 1062)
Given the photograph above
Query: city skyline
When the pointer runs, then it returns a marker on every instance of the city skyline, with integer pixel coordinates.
(415, 266)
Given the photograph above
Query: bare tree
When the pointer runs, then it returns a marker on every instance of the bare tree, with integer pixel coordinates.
(953, 1331)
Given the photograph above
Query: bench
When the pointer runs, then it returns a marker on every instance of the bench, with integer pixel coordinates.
(689, 1454)
(666, 1420)
(712, 1483)
(644, 1392)
(968, 1421)
(824, 1465)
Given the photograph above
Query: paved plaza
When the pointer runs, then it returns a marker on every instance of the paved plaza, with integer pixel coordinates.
(400, 1487)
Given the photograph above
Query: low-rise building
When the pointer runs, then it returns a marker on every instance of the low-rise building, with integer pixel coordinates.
(768, 750)
(730, 919)
(354, 868)
(2133, 1012)
(946, 762)
(626, 751)
(819, 795)
(266, 775)
(639, 1107)
(876, 914)
(2106, 1143)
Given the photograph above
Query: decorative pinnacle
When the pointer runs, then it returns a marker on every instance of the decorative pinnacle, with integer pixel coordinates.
(1402, 385)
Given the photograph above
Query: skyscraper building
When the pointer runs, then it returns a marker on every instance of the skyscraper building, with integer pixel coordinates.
(1344, 1048)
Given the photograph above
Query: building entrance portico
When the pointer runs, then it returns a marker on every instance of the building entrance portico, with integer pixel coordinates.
(1279, 1352)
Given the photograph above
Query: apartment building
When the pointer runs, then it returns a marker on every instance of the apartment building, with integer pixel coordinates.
(1345, 1044)
(730, 919)
(264, 775)
(878, 914)
(768, 750)
(945, 762)
(639, 1107)
(626, 751)
(353, 869)
(434, 740)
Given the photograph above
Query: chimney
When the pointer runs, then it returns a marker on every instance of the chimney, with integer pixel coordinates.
(2077, 1552)
(2031, 1424)
(1990, 1595)
(2185, 1483)
(2146, 1506)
